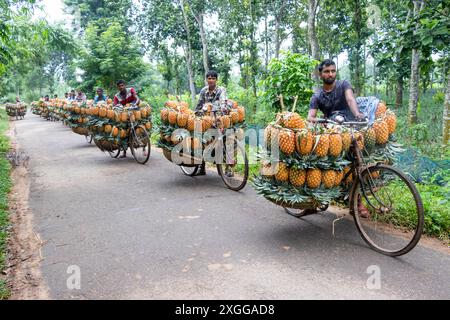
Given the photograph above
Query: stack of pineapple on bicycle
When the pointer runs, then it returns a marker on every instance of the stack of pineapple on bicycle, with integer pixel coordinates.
(35, 108)
(114, 128)
(77, 117)
(307, 166)
(189, 134)
(17, 110)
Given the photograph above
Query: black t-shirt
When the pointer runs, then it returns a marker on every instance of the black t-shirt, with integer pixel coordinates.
(328, 102)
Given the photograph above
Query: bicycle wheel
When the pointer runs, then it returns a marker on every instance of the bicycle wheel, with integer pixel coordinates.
(298, 213)
(190, 171)
(233, 168)
(140, 144)
(89, 138)
(394, 224)
(114, 153)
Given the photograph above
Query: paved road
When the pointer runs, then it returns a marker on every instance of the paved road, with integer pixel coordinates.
(148, 232)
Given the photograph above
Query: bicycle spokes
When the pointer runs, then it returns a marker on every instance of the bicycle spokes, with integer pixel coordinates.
(395, 220)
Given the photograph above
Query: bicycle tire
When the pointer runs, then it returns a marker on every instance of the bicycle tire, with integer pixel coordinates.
(227, 180)
(369, 227)
(190, 171)
(142, 141)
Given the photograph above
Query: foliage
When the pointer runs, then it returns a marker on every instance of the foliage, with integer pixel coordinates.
(109, 55)
(5, 185)
(436, 201)
(289, 76)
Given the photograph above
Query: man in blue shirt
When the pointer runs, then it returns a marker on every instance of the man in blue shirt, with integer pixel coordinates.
(100, 96)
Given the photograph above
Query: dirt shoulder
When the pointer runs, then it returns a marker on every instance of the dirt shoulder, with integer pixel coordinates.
(24, 245)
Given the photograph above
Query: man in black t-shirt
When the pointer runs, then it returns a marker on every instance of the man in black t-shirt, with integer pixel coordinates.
(335, 97)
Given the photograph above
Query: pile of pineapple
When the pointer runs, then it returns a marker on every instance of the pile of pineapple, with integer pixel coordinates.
(18, 109)
(313, 159)
(35, 108)
(176, 115)
(111, 127)
(77, 116)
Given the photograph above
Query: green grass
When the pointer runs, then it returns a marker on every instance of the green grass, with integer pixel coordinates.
(5, 186)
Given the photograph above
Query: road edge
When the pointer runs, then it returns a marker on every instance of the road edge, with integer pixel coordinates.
(24, 244)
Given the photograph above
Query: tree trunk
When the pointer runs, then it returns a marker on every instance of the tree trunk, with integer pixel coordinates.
(199, 19)
(312, 36)
(277, 38)
(446, 117)
(375, 89)
(357, 55)
(399, 93)
(414, 83)
(278, 17)
(266, 40)
(188, 55)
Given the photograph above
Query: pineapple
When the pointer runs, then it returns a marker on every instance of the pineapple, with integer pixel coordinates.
(382, 131)
(241, 112)
(335, 145)
(102, 113)
(287, 141)
(234, 117)
(292, 120)
(323, 145)
(375, 174)
(137, 115)
(182, 120)
(124, 116)
(115, 131)
(391, 120)
(267, 170)
(191, 123)
(313, 178)
(172, 117)
(329, 178)
(381, 110)
(297, 177)
(267, 135)
(171, 104)
(164, 115)
(339, 177)
(225, 121)
(282, 174)
(207, 123)
(274, 137)
(359, 137)
(349, 179)
(304, 142)
(110, 114)
(370, 138)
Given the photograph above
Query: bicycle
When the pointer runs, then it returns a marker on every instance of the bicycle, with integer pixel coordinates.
(233, 157)
(138, 140)
(390, 230)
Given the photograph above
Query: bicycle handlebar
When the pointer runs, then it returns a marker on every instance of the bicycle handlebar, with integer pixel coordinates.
(348, 123)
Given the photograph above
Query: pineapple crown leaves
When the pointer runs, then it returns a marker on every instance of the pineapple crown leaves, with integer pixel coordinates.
(285, 193)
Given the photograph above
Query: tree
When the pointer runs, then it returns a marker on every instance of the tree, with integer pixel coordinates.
(312, 37)
(446, 116)
(290, 76)
(109, 55)
(414, 84)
